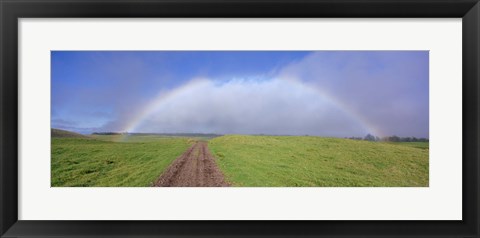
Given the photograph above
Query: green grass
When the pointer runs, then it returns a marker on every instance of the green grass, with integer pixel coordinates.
(289, 161)
(102, 163)
(66, 134)
(143, 138)
(420, 145)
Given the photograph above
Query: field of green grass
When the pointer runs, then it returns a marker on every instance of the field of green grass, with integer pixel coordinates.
(65, 134)
(145, 137)
(97, 161)
(247, 161)
(288, 161)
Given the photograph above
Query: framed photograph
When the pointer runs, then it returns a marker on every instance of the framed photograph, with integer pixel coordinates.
(239, 118)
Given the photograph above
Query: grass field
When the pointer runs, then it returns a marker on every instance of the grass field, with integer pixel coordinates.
(65, 134)
(144, 138)
(248, 161)
(99, 162)
(285, 161)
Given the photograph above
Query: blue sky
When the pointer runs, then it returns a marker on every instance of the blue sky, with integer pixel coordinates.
(325, 93)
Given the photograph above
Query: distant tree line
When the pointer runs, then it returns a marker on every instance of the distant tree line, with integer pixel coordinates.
(394, 138)
(159, 134)
(107, 133)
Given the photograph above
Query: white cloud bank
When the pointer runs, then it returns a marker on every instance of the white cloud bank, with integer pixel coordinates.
(389, 89)
(339, 94)
(279, 107)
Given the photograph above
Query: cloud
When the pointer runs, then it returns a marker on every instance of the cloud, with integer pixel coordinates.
(389, 89)
(326, 93)
(250, 107)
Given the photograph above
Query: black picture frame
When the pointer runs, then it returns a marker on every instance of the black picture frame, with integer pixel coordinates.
(11, 11)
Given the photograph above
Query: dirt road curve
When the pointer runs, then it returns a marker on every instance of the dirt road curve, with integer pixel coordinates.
(195, 168)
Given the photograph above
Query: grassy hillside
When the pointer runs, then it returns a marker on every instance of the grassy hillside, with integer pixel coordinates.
(93, 162)
(270, 161)
(57, 133)
(141, 137)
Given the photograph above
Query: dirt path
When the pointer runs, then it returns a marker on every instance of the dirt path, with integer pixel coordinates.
(194, 168)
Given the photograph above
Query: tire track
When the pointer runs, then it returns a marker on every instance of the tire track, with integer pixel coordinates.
(196, 167)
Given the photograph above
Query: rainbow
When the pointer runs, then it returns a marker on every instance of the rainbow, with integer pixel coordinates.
(347, 109)
(162, 97)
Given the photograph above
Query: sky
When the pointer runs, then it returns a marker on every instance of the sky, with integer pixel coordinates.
(321, 93)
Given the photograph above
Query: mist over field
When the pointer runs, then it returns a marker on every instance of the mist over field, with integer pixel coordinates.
(324, 93)
(250, 107)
